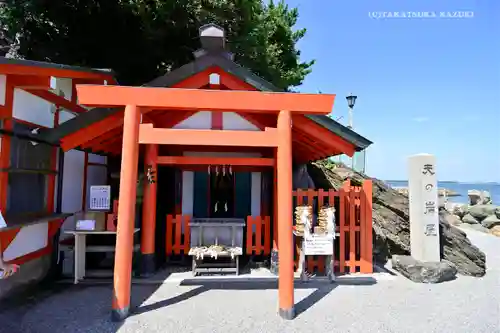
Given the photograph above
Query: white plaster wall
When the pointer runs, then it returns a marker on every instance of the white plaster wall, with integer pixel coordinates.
(65, 116)
(256, 193)
(187, 192)
(32, 109)
(72, 186)
(62, 84)
(96, 175)
(29, 239)
(94, 158)
(56, 182)
(3, 82)
(200, 120)
(233, 121)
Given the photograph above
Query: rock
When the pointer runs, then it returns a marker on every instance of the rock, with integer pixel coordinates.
(486, 198)
(423, 272)
(461, 210)
(468, 218)
(453, 219)
(495, 231)
(497, 212)
(474, 197)
(491, 221)
(480, 212)
(391, 226)
(477, 227)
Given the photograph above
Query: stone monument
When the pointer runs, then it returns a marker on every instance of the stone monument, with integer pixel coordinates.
(424, 265)
(424, 209)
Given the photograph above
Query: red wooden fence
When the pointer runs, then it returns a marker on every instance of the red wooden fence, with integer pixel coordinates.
(354, 226)
(177, 241)
(258, 235)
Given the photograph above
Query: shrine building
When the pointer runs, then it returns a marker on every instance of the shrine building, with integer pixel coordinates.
(209, 142)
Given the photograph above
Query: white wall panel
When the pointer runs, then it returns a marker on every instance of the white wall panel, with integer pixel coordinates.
(256, 193)
(187, 192)
(233, 121)
(3, 82)
(32, 109)
(65, 116)
(200, 120)
(29, 239)
(94, 158)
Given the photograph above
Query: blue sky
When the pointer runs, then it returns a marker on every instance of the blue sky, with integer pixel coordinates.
(423, 85)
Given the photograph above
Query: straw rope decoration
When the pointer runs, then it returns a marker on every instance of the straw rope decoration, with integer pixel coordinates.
(303, 219)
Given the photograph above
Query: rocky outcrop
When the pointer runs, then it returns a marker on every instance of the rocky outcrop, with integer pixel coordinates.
(423, 272)
(485, 215)
(477, 197)
(391, 227)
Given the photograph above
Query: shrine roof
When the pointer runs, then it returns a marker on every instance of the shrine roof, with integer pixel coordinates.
(58, 70)
(200, 64)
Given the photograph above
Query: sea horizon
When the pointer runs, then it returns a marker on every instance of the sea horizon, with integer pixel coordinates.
(461, 188)
(447, 181)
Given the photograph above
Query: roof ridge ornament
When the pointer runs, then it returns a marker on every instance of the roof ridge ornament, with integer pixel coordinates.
(213, 41)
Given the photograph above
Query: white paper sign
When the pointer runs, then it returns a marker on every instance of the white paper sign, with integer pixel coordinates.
(318, 245)
(100, 197)
(87, 225)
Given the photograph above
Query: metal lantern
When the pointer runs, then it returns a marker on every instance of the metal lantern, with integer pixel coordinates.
(351, 100)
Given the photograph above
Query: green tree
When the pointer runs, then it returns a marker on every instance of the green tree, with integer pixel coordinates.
(142, 39)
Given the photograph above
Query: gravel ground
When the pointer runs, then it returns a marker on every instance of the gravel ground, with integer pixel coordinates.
(397, 305)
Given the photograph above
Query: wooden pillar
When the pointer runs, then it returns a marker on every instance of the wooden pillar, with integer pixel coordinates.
(285, 216)
(126, 214)
(149, 213)
(275, 205)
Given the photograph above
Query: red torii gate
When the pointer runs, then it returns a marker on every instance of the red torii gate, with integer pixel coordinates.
(138, 101)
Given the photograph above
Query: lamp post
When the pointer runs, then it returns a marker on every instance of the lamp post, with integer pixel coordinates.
(351, 100)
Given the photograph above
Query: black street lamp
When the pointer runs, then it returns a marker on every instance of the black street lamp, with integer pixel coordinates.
(351, 100)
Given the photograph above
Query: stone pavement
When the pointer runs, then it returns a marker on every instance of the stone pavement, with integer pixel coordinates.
(365, 305)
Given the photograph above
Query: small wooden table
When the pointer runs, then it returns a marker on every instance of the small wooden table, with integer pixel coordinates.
(329, 262)
(81, 249)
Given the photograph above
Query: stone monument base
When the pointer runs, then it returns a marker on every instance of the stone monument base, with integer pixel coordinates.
(423, 272)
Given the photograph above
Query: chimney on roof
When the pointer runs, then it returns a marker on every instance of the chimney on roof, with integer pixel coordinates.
(213, 41)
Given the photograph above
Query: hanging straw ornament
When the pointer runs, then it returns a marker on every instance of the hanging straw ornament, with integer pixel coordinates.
(216, 170)
(230, 170)
(303, 219)
(326, 220)
(209, 170)
(224, 170)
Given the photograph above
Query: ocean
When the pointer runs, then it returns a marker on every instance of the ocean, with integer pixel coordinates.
(461, 188)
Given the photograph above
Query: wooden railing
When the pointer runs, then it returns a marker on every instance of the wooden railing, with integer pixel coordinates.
(178, 234)
(353, 216)
(258, 235)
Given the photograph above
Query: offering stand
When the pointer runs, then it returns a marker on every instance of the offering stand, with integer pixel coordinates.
(214, 238)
